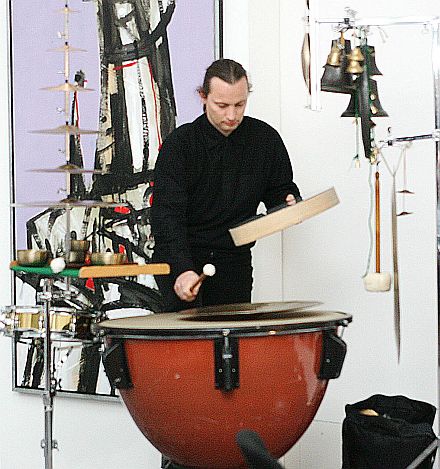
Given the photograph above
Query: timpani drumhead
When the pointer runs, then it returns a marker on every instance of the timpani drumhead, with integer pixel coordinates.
(265, 318)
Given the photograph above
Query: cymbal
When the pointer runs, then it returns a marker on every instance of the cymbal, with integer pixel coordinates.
(68, 168)
(67, 87)
(280, 219)
(70, 203)
(63, 129)
(67, 48)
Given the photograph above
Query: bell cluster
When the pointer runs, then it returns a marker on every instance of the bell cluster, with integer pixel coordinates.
(344, 70)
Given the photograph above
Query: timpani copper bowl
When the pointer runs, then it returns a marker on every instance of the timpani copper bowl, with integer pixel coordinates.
(192, 380)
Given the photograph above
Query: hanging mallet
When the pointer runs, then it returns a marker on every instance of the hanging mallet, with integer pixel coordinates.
(208, 271)
(377, 281)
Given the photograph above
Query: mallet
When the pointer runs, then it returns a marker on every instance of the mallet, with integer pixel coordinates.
(208, 271)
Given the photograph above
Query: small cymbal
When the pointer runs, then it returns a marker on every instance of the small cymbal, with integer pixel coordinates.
(68, 168)
(67, 87)
(67, 48)
(70, 203)
(63, 129)
(66, 9)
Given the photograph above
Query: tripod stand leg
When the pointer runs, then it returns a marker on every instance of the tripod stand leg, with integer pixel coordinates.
(48, 444)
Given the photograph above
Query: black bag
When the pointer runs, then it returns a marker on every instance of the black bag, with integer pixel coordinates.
(390, 440)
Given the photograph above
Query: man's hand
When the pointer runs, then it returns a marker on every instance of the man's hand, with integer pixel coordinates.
(290, 199)
(183, 284)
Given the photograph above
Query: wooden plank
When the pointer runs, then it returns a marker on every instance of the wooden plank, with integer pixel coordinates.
(123, 270)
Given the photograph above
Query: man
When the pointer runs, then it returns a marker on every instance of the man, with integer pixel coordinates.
(211, 175)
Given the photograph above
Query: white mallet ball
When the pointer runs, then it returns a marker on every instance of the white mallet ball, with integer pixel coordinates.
(377, 281)
(57, 265)
(209, 270)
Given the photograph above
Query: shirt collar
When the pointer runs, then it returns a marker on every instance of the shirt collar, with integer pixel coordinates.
(213, 137)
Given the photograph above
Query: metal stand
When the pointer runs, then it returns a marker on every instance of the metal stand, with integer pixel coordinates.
(424, 454)
(48, 443)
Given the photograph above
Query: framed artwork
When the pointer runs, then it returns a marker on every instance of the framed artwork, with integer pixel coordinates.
(135, 66)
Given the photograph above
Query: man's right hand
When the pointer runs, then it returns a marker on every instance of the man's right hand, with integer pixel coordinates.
(183, 284)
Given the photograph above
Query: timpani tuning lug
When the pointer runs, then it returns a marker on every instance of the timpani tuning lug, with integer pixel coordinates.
(226, 363)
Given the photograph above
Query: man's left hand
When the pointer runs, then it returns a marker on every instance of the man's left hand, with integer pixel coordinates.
(290, 199)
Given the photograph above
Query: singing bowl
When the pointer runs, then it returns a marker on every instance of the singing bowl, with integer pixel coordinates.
(77, 257)
(32, 257)
(78, 245)
(107, 258)
(175, 387)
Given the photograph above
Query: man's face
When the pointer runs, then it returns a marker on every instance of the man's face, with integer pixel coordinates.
(225, 104)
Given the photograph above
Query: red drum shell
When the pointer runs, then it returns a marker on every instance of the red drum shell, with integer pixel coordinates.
(175, 405)
(174, 402)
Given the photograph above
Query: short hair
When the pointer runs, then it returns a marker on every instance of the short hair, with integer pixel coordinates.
(227, 70)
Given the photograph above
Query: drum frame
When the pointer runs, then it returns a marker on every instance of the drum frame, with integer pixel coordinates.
(66, 323)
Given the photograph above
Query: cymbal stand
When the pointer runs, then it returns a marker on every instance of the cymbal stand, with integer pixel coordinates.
(48, 443)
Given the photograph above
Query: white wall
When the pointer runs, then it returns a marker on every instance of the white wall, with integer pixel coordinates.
(322, 259)
(325, 258)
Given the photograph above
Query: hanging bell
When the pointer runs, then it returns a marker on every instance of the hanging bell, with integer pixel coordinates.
(334, 58)
(354, 67)
(371, 62)
(356, 54)
(375, 106)
(352, 108)
(335, 78)
(354, 59)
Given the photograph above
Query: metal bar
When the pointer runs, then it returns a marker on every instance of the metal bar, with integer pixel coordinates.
(426, 452)
(436, 80)
(381, 21)
(49, 389)
(218, 29)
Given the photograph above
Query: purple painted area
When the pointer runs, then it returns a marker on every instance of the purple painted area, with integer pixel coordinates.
(191, 40)
(191, 37)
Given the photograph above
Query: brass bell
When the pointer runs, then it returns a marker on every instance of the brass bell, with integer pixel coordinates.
(334, 58)
(354, 67)
(375, 106)
(336, 79)
(355, 57)
(356, 54)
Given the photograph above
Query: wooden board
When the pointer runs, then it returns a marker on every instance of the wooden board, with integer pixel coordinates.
(123, 270)
(273, 222)
(98, 271)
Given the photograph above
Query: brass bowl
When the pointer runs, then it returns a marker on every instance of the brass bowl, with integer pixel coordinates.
(79, 245)
(107, 258)
(77, 257)
(32, 257)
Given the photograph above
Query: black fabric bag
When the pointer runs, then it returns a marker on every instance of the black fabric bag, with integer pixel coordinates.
(390, 440)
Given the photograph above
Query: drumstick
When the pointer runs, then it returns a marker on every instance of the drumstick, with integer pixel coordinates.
(208, 271)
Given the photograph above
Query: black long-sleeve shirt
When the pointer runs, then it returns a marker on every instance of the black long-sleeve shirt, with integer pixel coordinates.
(206, 183)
